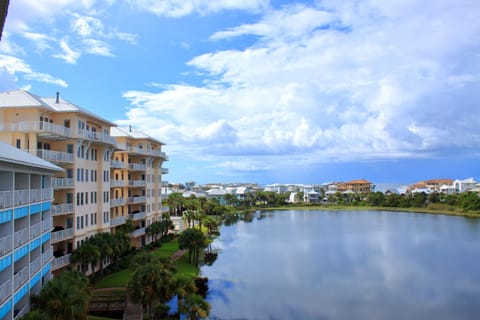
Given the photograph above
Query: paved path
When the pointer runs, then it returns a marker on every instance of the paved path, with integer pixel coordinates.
(133, 311)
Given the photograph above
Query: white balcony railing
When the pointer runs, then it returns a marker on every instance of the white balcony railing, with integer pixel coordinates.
(117, 183)
(47, 255)
(60, 262)
(47, 194)
(60, 209)
(138, 199)
(20, 237)
(62, 183)
(5, 290)
(165, 184)
(137, 216)
(61, 235)
(137, 183)
(20, 277)
(138, 232)
(143, 151)
(118, 202)
(47, 225)
(37, 126)
(6, 199)
(136, 166)
(95, 136)
(164, 170)
(35, 265)
(54, 156)
(5, 245)
(117, 164)
(118, 221)
(21, 197)
(35, 230)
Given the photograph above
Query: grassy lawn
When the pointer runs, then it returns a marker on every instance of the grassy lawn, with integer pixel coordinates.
(121, 278)
(117, 279)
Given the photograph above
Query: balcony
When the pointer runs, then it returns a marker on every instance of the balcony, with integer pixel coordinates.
(137, 216)
(118, 221)
(61, 235)
(47, 225)
(165, 184)
(5, 290)
(22, 197)
(20, 237)
(54, 156)
(137, 166)
(47, 255)
(164, 170)
(137, 183)
(61, 209)
(137, 233)
(118, 183)
(44, 129)
(95, 136)
(62, 183)
(35, 265)
(5, 245)
(35, 230)
(6, 199)
(20, 277)
(137, 199)
(115, 164)
(61, 262)
(117, 202)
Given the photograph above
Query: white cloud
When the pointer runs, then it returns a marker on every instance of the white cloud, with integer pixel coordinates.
(341, 80)
(180, 8)
(68, 55)
(97, 47)
(12, 66)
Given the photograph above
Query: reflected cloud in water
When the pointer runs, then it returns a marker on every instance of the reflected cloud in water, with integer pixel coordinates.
(347, 265)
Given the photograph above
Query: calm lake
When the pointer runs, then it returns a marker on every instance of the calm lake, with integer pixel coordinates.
(347, 265)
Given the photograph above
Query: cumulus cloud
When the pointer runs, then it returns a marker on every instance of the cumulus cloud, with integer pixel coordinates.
(11, 66)
(332, 80)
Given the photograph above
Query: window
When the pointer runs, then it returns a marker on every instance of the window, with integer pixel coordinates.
(86, 197)
(78, 223)
(81, 222)
(91, 219)
(19, 144)
(86, 175)
(78, 198)
(86, 220)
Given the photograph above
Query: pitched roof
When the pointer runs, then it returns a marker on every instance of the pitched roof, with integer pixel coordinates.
(11, 154)
(131, 133)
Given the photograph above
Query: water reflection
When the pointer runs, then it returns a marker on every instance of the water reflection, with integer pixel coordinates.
(346, 265)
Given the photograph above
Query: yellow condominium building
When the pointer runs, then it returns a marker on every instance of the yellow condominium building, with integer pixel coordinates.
(96, 192)
(136, 181)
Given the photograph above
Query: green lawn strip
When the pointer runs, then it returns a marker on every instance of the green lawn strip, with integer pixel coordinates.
(121, 278)
(117, 279)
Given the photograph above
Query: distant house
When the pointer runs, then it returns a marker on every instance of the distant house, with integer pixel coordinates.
(432, 184)
(359, 186)
(464, 185)
(218, 194)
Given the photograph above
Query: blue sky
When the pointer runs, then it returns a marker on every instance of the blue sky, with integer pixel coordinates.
(267, 91)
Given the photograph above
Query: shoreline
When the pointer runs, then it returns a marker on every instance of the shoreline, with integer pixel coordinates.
(357, 208)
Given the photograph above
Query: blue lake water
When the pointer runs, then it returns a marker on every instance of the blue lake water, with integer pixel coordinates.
(347, 265)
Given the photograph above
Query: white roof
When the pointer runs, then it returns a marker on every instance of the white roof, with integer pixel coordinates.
(217, 192)
(131, 133)
(22, 98)
(13, 155)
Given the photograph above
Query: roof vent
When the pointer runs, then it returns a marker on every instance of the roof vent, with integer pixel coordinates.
(58, 97)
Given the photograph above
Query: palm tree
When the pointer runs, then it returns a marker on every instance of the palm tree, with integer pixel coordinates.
(184, 286)
(86, 254)
(196, 307)
(65, 297)
(193, 240)
(151, 283)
